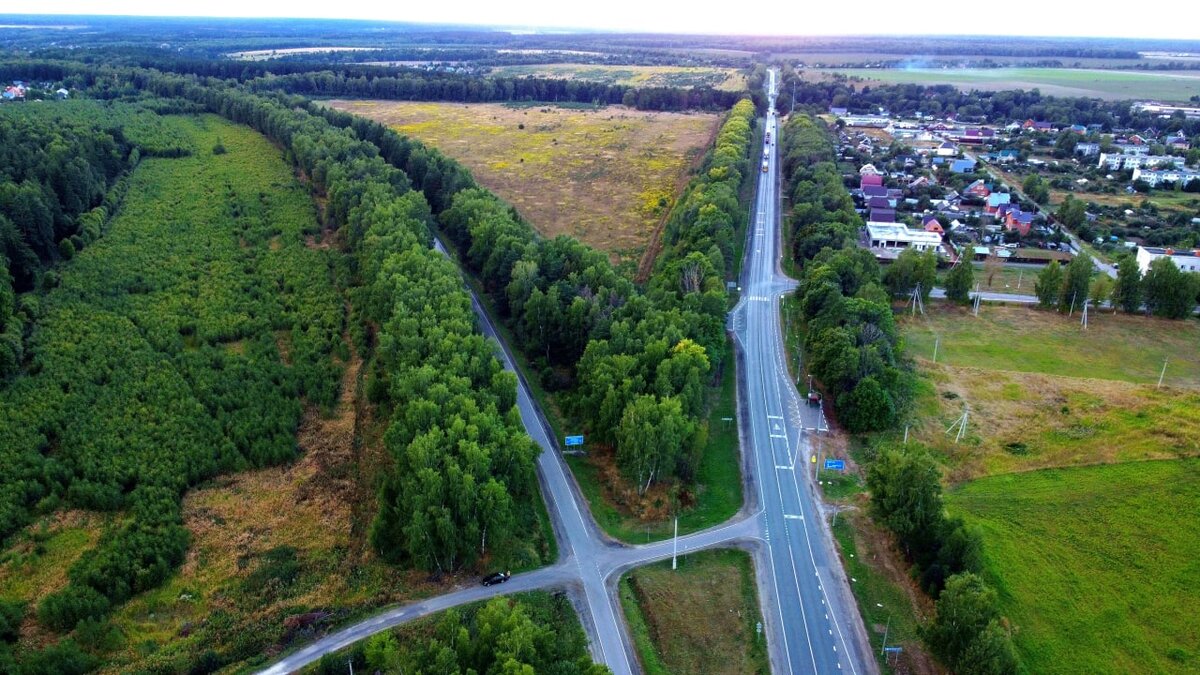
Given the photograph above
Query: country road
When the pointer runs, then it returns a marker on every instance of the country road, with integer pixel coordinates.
(812, 623)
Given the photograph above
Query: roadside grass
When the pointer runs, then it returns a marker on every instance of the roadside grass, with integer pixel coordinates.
(1111, 85)
(1010, 279)
(888, 608)
(1095, 566)
(606, 177)
(1025, 339)
(701, 618)
(729, 79)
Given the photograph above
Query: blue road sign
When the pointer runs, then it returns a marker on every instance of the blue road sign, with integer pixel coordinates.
(893, 650)
(835, 464)
(574, 440)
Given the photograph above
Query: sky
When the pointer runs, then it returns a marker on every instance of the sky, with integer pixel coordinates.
(1165, 19)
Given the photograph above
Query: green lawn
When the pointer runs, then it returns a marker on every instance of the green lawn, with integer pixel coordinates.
(1177, 85)
(1115, 347)
(701, 618)
(1097, 567)
(1010, 279)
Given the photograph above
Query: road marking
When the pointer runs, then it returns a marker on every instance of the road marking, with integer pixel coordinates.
(783, 466)
(793, 516)
(775, 417)
(779, 436)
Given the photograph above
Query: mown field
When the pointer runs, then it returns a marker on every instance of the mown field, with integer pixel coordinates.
(1106, 84)
(701, 618)
(606, 177)
(1096, 566)
(1079, 472)
(634, 76)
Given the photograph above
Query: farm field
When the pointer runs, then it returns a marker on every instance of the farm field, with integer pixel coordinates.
(698, 619)
(635, 76)
(606, 177)
(1095, 566)
(1107, 84)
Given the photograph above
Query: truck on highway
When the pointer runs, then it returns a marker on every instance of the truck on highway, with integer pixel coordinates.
(764, 168)
(768, 137)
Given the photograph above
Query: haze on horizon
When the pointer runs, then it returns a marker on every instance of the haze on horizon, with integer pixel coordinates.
(1176, 19)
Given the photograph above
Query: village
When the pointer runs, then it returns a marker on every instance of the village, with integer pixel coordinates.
(995, 192)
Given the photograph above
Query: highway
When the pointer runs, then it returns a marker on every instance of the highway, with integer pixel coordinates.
(814, 623)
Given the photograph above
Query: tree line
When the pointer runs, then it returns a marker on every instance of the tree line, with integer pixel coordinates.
(1163, 290)
(851, 339)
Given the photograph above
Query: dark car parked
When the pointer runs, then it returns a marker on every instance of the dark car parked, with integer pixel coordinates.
(497, 578)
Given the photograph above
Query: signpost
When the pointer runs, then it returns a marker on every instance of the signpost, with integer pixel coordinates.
(835, 464)
(573, 440)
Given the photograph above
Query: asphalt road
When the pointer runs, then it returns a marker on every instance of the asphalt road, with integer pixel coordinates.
(814, 624)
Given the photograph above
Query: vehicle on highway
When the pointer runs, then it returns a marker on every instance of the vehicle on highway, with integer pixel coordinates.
(814, 398)
(496, 578)
(764, 166)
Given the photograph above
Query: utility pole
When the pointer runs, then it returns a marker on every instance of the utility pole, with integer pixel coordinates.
(1020, 275)
(1085, 314)
(1073, 296)
(1162, 374)
(350, 662)
(885, 634)
(936, 341)
(675, 544)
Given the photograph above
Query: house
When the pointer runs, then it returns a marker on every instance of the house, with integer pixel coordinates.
(1006, 156)
(931, 224)
(920, 181)
(14, 91)
(1087, 149)
(1178, 175)
(874, 191)
(883, 215)
(869, 121)
(868, 169)
(1132, 149)
(1187, 260)
(1018, 220)
(838, 111)
(62, 94)
(1041, 127)
(879, 203)
(977, 189)
(995, 201)
(897, 237)
(1130, 162)
(1177, 141)
(870, 180)
(1077, 129)
(1165, 110)
(947, 149)
(965, 165)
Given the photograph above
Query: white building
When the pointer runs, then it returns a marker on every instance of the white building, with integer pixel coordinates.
(1185, 259)
(1155, 178)
(1115, 162)
(1155, 108)
(898, 236)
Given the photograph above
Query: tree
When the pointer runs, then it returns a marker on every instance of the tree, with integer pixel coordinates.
(959, 282)
(1049, 285)
(911, 269)
(1170, 292)
(1035, 188)
(652, 438)
(1076, 283)
(867, 407)
(992, 265)
(906, 495)
(1071, 213)
(1128, 292)
(1101, 290)
(966, 634)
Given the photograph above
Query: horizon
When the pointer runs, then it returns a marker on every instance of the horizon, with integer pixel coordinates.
(540, 17)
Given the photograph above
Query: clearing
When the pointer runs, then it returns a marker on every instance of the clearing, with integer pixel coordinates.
(1096, 566)
(1175, 85)
(606, 177)
(701, 618)
(729, 79)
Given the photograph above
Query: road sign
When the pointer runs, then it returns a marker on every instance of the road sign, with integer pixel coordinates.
(835, 464)
(574, 440)
(893, 650)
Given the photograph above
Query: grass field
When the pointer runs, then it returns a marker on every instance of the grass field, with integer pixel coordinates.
(1096, 566)
(606, 177)
(1114, 347)
(635, 76)
(1010, 279)
(701, 618)
(1177, 85)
